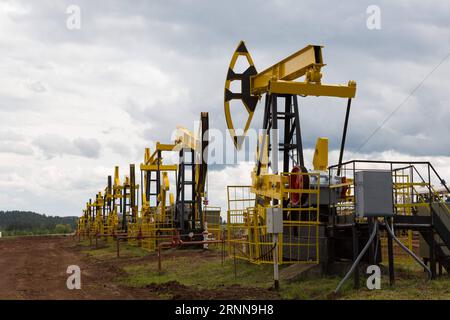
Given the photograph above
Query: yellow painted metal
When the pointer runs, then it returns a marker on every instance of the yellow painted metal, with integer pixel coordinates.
(133, 227)
(246, 229)
(268, 185)
(152, 160)
(320, 160)
(262, 152)
(164, 146)
(117, 186)
(265, 185)
(162, 197)
(154, 167)
(307, 61)
(303, 248)
(104, 221)
(111, 222)
(186, 139)
(84, 222)
(313, 89)
(280, 79)
(403, 200)
(231, 128)
(116, 176)
(213, 222)
(156, 219)
(98, 224)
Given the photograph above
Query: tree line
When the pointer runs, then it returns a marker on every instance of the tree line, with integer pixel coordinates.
(30, 223)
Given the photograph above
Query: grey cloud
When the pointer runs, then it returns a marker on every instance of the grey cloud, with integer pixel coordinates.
(55, 145)
(16, 148)
(13, 142)
(52, 145)
(10, 135)
(9, 104)
(120, 148)
(36, 86)
(161, 119)
(89, 148)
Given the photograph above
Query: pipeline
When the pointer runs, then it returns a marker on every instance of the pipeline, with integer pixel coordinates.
(388, 228)
(363, 251)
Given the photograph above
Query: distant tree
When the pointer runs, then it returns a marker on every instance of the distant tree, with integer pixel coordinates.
(25, 222)
(60, 228)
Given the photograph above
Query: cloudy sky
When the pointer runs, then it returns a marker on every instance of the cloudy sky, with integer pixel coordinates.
(76, 102)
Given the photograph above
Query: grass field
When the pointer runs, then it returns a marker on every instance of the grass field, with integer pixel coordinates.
(200, 272)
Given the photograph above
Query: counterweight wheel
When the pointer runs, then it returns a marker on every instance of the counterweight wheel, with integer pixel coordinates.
(298, 181)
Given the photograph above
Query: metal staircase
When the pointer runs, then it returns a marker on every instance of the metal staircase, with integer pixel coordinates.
(440, 219)
(438, 212)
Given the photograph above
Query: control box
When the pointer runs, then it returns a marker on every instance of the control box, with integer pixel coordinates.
(373, 193)
(274, 220)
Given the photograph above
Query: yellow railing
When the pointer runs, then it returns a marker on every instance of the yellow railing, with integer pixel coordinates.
(247, 237)
(213, 222)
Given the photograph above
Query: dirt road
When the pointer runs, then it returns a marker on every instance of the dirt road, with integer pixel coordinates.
(35, 268)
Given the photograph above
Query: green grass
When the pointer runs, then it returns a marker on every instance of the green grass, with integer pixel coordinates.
(207, 272)
(406, 289)
(108, 250)
(199, 273)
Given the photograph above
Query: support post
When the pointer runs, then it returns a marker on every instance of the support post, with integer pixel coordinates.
(223, 250)
(118, 246)
(298, 132)
(124, 209)
(432, 254)
(234, 258)
(344, 135)
(275, 262)
(159, 260)
(431, 232)
(371, 251)
(133, 207)
(355, 254)
(390, 256)
(274, 138)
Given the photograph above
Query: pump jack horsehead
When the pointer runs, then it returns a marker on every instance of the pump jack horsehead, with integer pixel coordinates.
(278, 81)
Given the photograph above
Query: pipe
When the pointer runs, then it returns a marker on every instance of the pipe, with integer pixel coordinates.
(388, 228)
(160, 236)
(160, 246)
(361, 254)
(124, 236)
(182, 243)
